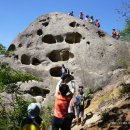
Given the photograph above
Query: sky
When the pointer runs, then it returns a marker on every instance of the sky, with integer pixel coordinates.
(16, 15)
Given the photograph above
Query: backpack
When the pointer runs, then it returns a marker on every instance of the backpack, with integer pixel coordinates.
(80, 101)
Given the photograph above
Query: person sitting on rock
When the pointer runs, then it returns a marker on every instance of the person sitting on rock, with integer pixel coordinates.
(63, 96)
(114, 33)
(33, 121)
(81, 15)
(97, 23)
(91, 20)
(87, 18)
(64, 72)
(71, 13)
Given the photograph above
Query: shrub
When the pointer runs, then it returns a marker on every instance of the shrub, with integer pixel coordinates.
(125, 88)
(9, 77)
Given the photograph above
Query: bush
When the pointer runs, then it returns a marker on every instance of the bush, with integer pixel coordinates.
(10, 119)
(125, 88)
(9, 77)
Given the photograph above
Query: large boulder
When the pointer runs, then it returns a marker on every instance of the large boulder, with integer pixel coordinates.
(57, 38)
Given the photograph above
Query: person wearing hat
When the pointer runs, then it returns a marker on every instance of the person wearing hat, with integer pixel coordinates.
(63, 96)
(33, 121)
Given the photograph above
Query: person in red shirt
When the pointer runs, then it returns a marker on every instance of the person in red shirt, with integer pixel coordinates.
(63, 96)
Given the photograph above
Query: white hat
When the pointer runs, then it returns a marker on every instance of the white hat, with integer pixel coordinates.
(34, 110)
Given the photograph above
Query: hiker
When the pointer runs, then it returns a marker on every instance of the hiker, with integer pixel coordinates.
(91, 20)
(97, 23)
(114, 33)
(71, 13)
(71, 112)
(87, 18)
(63, 96)
(80, 106)
(64, 72)
(33, 121)
(81, 15)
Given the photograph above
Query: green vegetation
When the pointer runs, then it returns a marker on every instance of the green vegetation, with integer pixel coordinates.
(125, 88)
(2, 49)
(125, 33)
(11, 118)
(9, 77)
(89, 93)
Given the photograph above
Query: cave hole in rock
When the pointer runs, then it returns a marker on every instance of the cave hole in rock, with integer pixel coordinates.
(29, 44)
(56, 71)
(59, 38)
(72, 24)
(88, 42)
(101, 34)
(39, 32)
(50, 39)
(16, 57)
(74, 37)
(42, 20)
(35, 61)
(12, 47)
(20, 45)
(60, 55)
(45, 24)
(36, 91)
(25, 59)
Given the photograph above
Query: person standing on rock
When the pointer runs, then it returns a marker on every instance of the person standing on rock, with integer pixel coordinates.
(81, 15)
(33, 121)
(63, 97)
(71, 112)
(80, 106)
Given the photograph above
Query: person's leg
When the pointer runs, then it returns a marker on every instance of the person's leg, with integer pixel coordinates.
(55, 123)
(82, 118)
(78, 113)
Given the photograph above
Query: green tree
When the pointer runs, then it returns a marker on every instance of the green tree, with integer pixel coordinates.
(2, 49)
(124, 11)
(125, 33)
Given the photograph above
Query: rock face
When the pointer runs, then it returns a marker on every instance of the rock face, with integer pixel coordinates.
(56, 38)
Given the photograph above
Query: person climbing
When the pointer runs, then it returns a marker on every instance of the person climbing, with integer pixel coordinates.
(64, 72)
(63, 96)
(81, 15)
(33, 121)
(71, 112)
(80, 107)
(91, 20)
(87, 18)
(71, 13)
(97, 23)
(114, 33)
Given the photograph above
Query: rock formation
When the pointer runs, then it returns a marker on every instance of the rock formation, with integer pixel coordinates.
(95, 58)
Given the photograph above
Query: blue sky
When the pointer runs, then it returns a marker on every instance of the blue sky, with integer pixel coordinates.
(16, 15)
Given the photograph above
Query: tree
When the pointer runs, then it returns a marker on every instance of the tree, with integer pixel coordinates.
(125, 13)
(125, 33)
(2, 49)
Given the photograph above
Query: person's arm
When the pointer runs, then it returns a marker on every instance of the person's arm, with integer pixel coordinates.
(72, 87)
(58, 85)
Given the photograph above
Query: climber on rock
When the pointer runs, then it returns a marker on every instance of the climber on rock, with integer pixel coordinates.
(64, 72)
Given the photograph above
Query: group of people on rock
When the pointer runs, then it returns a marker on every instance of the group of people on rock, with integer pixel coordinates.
(66, 102)
(88, 18)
